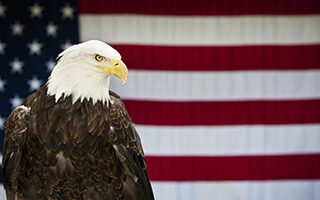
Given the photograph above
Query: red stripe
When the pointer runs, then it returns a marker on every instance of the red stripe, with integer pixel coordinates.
(234, 168)
(200, 7)
(220, 58)
(224, 113)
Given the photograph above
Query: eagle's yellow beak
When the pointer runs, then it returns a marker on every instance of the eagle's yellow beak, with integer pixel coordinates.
(119, 69)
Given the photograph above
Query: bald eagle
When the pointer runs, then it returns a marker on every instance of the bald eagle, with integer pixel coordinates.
(74, 139)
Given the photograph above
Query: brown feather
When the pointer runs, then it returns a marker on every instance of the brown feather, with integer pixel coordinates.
(73, 151)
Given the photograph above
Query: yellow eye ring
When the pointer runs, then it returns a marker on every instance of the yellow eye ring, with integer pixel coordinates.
(98, 58)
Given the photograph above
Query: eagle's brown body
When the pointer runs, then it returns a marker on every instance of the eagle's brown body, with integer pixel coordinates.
(64, 150)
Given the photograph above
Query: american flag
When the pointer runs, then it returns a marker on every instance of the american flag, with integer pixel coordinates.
(225, 94)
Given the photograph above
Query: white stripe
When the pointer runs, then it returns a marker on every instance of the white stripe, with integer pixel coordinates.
(235, 85)
(194, 30)
(229, 140)
(242, 190)
(2, 193)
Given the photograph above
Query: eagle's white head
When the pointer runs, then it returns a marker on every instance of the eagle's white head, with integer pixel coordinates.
(84, 70)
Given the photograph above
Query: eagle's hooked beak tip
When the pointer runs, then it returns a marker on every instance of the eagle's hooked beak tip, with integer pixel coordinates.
(125, 78)
(120, 71)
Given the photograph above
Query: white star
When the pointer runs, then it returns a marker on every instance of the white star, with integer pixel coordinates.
(36, 11)
(66, 45)
(17, 29)
(2, 10)
(2, 84)
(67, 12)
(16, 66)
(34, 84)
(52, 30)
(16, 101)
(2, 47)
(35, 47)
(50, 65)
(2, 120)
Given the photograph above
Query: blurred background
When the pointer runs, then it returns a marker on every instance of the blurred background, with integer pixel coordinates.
(225, 94)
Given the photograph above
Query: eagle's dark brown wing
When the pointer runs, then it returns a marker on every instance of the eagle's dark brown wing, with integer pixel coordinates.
(13, 147)
(130, 152)
(16, 128)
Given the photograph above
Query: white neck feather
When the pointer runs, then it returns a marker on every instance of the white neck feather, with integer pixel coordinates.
(80, 81)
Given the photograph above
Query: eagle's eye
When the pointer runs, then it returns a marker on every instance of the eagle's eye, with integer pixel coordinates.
(98, 58)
